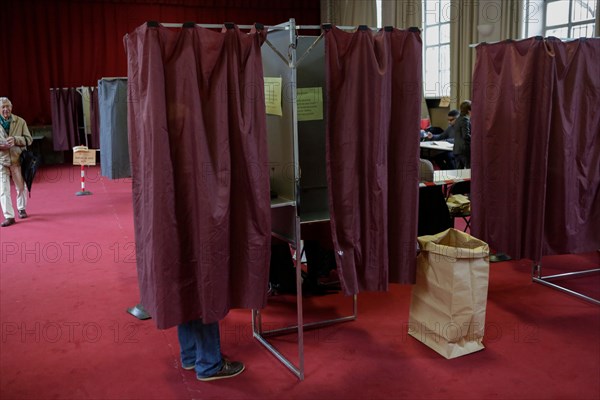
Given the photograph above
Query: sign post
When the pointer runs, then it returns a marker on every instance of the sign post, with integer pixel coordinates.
(83, 156)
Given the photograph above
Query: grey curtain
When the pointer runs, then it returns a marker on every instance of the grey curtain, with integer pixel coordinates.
(349, 12)
(511, 23)
(597, 30)
(114, 146)
(402, 14)
(464, 17)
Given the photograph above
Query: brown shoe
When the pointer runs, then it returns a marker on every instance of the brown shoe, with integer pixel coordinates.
(228, 370)
(22, 214)
(8, 222)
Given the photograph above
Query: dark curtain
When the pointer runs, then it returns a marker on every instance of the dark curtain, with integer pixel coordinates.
(67, 114)
(197, 136)
(536, 146)
(373, 117)
(94, 119)
(67, 43)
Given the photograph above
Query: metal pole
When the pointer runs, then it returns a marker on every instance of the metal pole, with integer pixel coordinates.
(83, 192)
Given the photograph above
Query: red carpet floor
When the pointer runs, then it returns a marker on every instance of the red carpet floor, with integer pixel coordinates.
(67, 275)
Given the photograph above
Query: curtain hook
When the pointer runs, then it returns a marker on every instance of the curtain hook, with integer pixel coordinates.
(549, 47)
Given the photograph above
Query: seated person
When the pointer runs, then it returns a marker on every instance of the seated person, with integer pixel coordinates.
(425, 170)
(448, 134)
(445, 160)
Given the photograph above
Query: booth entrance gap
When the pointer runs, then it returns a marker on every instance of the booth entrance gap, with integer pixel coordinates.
(296, 135)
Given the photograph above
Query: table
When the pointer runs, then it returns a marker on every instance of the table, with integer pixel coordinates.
(437, 145)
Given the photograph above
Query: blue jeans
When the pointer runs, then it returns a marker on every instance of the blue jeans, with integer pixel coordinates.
(200, 346)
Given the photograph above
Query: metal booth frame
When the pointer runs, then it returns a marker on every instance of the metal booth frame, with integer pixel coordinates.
(287, 219)
(537, 277)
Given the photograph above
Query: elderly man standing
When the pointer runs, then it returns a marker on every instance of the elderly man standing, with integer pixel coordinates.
(14, 135)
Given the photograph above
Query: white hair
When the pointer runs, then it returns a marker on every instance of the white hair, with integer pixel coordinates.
(5, 100)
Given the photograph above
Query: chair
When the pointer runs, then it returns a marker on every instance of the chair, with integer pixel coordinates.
(460, 188)
(425, 170)
(436, 130)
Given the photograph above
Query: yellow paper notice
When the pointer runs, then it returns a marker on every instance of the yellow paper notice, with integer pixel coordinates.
(273, 95)
(310, 103)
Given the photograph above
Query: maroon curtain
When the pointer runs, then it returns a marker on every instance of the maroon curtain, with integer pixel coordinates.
(66, 105)
(536, 146)
(197, 131)
(373, 116)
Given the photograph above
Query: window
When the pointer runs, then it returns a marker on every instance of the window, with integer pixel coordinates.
(436, 48)
(561, 18)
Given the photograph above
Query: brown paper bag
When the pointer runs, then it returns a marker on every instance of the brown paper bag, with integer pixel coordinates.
(447, 309)
(458, 203)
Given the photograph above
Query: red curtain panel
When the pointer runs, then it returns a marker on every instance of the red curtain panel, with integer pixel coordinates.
(94, 119)
(373, 119)
(67, 111)
(197, 132)
(64, 43)
(536, 146)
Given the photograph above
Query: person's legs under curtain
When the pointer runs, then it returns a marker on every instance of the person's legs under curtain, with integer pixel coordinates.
(200, 346)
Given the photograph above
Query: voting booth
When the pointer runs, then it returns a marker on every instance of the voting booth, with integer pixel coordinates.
(330, 99)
